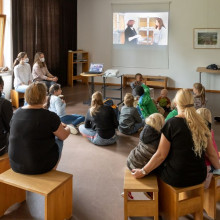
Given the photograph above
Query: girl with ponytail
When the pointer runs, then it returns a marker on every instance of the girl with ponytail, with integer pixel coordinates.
(199, 95)
(56, 104)
(100, 122)
(22, 72)
(184, 142)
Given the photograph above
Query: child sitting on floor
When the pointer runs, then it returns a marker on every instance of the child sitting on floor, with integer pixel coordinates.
(163, 100)
(148, 143)
(199, 95)
(145, 103)
(130, 120)
(207, 116)
(138, 82)
(56, 104)
(174, 111)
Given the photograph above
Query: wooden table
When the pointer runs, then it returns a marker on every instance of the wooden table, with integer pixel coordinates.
(92, 75)
(204, 70)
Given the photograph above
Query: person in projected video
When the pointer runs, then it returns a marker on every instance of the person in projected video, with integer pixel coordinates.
(160, 32)
(131, 36)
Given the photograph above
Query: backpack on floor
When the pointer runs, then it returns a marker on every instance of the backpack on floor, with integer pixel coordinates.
(109, 102)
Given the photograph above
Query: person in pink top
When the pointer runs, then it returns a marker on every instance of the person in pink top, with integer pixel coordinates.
(207, 116)
(40, 71)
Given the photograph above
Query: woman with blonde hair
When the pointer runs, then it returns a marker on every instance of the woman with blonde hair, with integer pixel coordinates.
(100, 122)
(40, 71)
(22, 72)
(181, 152)
(36, 134)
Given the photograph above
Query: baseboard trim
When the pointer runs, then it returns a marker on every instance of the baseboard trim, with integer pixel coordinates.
(170, 88)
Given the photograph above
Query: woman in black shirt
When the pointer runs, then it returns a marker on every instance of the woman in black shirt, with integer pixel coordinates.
(36, 137)
(100, 122)
(184, 141)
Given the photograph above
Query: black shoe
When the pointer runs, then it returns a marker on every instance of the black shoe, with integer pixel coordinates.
(217, 118)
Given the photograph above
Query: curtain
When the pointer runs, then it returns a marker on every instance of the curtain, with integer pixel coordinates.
(49, 26)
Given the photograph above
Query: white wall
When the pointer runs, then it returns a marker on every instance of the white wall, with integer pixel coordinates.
(95, 36)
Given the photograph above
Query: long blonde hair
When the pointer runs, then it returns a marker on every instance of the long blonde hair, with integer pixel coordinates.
(196, 124)
(96, 103)
(156, 121)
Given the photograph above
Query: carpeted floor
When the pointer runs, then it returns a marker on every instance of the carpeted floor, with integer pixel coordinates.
(97, 171)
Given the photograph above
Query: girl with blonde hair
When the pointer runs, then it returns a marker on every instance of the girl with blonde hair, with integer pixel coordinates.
(185, 140)
(40, 71)
(100, 122)
(199, 95)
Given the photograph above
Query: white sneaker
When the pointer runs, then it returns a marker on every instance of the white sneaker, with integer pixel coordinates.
(73, 130)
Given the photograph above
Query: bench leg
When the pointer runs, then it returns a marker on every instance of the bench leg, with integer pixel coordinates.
(125, 205)
(15, 98)
(10, 195)
(58, 204)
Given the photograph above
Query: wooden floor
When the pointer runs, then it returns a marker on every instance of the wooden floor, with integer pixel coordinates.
(97, 171)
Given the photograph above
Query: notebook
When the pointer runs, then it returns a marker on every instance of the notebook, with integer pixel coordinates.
(95, 68)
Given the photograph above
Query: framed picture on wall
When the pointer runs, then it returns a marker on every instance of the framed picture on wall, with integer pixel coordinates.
(206, 38)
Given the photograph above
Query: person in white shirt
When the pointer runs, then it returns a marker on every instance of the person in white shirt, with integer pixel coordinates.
(160, 32)
(22, 72)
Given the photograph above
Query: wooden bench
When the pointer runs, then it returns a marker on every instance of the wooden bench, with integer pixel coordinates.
(140, 207)
(4, 163)
(175, 202)
(15, 96)
(55, 186)
(157, 81)
(212, 196)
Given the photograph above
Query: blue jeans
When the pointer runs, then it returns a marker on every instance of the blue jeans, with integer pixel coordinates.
(60, 145)
(93, 136)
(73, 119)
(21, 88)
(48, 83)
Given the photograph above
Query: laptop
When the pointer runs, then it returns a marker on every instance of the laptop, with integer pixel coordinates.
(95, 68)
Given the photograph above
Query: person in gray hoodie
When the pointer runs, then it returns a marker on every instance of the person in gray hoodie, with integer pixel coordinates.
(148, 143)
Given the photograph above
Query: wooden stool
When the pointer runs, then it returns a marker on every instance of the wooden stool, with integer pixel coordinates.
(175, 202)
(15, 96)
(4, 163)
(212, 196)
(140, 207)
(56, 186)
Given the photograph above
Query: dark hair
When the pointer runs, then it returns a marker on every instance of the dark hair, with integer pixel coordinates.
(55, 87)
(19, 57)
(37, 60)
(1, 84)
(139, 90)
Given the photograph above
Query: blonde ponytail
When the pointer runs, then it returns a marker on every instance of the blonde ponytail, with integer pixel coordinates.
(196, 124)
(96, 103)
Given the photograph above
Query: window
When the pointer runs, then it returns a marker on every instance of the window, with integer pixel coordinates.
(2, 32)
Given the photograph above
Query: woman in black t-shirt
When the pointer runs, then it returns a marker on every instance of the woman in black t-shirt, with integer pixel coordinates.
(184, 141)
(100, 122)
(36, 137)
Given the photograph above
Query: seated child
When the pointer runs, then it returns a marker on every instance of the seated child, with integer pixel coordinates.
(130, 120)
(145, 103)
(199, 95)
(174, 111)
(138, 82)
(207, 116)
(58, 105)
(164, 101)
(148, 143)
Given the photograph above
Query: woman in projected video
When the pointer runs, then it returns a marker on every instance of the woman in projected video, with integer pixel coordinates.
(131, 36)
(160, 32)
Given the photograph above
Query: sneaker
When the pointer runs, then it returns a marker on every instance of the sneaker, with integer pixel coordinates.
(81, 123)
(73, 129)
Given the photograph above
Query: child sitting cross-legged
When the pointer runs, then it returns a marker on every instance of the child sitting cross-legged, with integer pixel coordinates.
(130, 120)
(56, 104)
(163, 100)
(148, 143)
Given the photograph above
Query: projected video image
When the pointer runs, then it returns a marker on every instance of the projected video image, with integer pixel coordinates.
(140, 28)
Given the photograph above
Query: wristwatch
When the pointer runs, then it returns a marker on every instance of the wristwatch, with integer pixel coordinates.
(143, 171)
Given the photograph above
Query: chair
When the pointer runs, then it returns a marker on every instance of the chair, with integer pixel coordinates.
(15, 96)
(4, 163)
(55, 186)
(140, 207)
